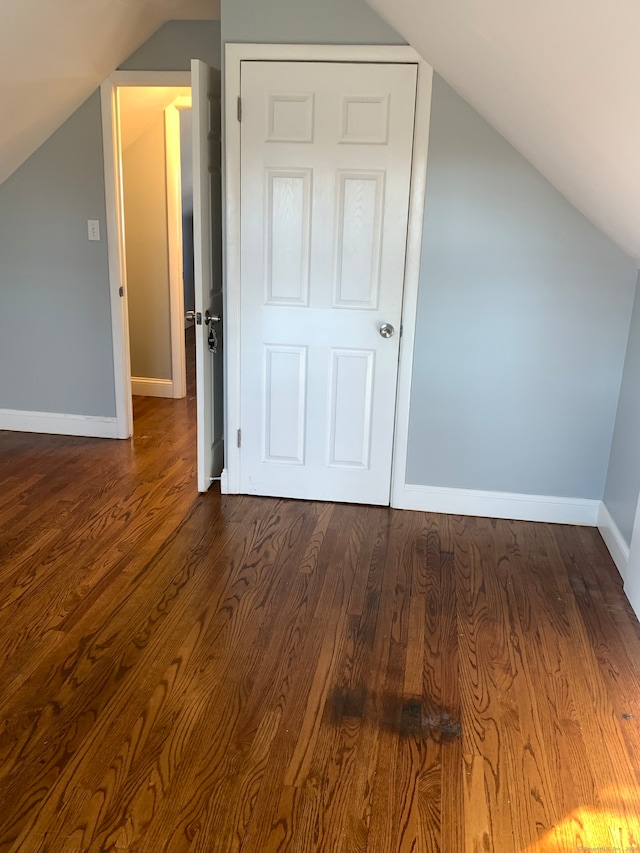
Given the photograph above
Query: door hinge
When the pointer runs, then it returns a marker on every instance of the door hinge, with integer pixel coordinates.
(400, 329)
(239, 438)
(121, 291)
(239, 108)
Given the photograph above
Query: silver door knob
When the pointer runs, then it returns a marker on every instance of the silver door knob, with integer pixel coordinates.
(387, 330)
(211, 318)
(190, 316)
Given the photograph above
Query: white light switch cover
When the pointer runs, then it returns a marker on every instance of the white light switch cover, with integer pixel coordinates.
(93, 227)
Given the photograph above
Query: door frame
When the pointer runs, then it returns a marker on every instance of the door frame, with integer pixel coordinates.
(235, 54)
(115, 233)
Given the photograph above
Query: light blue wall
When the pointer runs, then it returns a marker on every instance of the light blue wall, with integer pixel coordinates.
(524, 307)
(55, 326)
(523, 317)
(175, 44)
(55, 321)
(623, 479)
(304, 22)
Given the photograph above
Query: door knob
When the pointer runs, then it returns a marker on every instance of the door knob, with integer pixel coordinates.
(197, 316)
(387, 330)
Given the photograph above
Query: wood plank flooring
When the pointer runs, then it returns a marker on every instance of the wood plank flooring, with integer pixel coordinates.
(203, 673)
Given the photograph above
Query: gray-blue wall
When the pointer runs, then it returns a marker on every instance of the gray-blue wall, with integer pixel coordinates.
(523, 317)
(524, 306)
(623, 479)
(304, 22)
(55, 322)
(175, 44)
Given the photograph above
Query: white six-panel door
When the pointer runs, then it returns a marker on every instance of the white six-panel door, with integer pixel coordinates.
(326, 153)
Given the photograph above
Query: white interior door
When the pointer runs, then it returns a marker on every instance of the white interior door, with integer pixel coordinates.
(326, 151)
(207, 240)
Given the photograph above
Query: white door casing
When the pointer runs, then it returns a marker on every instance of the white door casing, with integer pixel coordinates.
(115, 228)
(207, 231)
(235, 56)
(326, 157)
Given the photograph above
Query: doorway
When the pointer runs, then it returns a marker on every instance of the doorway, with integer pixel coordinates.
(157, 204)
(111, 91)
(207, 256)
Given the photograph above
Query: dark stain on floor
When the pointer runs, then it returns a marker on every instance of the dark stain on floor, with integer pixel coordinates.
(407, 717)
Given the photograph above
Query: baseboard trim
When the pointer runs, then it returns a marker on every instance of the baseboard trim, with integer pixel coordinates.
(58, 424)
(151, 387)
(499, 505)
(613, 539)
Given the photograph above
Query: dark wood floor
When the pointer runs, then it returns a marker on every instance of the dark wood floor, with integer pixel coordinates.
(204, 673)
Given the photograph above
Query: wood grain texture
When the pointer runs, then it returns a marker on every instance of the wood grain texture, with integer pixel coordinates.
(197, 673)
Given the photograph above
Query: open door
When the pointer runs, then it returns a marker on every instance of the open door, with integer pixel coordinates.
(207, 239)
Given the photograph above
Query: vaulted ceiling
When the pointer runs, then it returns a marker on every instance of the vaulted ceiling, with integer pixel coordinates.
(53, 55)
(559, 80)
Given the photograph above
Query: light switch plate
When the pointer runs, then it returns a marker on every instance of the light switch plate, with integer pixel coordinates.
(93, 227)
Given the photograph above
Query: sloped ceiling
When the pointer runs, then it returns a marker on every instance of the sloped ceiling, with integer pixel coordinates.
(559, 80)
(54, 54)
(141, 106)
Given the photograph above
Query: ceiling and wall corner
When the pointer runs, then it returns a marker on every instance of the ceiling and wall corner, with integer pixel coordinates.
(141, 106)
(53, 56)
(555, 81)
(558, 81)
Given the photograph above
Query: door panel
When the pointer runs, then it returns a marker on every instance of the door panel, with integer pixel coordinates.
(288, 233)
(285, 384)
(326, 152)
(207, 236)
(352, 376)
(359, 228)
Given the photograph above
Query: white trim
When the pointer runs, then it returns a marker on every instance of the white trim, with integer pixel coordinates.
(500, 505)
(174, 242)
(115, 255)
(115, 228)
(231, 271)
(152, 387)
(632, 573)
(396, 54)
(58, 424)
(234, 55)
(613, 539)
(411, 280)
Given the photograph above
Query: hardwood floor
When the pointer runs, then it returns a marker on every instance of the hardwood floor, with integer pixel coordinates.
(204, 673)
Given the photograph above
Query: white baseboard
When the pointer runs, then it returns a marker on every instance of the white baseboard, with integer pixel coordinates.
(58, 424)
(151, 387)
(499, 505)
(613, 539)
